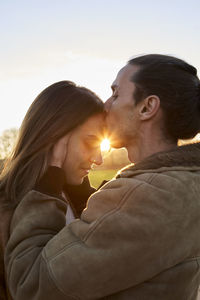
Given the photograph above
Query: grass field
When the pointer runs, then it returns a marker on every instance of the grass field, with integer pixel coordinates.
(97, 176)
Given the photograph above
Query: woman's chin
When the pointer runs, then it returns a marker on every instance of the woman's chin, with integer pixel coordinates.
(75, 180)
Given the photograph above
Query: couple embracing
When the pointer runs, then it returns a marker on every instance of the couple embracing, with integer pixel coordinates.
(137, 237)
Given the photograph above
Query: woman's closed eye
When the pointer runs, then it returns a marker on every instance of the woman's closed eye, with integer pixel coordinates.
(92, 143)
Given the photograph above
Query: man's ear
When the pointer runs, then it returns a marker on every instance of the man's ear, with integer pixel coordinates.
(149, 107)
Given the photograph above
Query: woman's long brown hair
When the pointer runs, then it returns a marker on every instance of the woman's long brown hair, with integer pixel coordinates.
(56, 111)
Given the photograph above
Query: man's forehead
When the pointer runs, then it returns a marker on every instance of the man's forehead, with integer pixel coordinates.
(124, 75)
(119, 75)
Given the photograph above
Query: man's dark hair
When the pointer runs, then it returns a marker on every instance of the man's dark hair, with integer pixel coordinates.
(176, 83)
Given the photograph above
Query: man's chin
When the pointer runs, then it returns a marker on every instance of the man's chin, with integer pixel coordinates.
(115, 140)
(117, 143)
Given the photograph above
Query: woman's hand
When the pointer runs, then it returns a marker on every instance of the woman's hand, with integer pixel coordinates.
(59, 152)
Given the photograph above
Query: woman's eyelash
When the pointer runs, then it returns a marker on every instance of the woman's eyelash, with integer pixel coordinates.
(92, 144)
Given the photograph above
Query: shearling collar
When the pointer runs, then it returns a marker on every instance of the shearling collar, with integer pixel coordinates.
(183, 156)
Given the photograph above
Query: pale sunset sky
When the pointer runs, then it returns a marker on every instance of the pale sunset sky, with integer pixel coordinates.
(86, 41)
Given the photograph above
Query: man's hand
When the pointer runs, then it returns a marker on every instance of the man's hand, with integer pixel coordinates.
(59, 152)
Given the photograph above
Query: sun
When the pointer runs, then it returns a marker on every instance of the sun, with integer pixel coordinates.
(105, 145)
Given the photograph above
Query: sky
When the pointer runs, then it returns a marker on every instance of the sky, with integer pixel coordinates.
(45, 41)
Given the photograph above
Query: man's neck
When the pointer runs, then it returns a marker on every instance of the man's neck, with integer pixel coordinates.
(142, 149)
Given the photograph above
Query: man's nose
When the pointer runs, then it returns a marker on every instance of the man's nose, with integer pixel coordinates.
(107, 104)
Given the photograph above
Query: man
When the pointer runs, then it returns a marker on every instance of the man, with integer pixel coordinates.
(139, 236)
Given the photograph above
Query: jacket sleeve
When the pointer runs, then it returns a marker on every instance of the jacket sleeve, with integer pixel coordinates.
(121, 240)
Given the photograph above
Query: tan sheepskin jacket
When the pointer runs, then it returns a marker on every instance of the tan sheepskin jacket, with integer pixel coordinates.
(139, 237)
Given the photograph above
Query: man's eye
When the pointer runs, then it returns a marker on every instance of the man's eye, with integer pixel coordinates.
(114, 96)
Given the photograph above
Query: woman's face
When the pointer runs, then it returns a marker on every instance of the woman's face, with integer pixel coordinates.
(84, 149)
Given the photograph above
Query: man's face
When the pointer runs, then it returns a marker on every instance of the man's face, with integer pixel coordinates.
(122, 114)
(84, 149)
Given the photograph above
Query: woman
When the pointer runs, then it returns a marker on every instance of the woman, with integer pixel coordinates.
(61, 114)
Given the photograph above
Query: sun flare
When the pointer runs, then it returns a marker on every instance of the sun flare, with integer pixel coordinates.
(105, 145)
